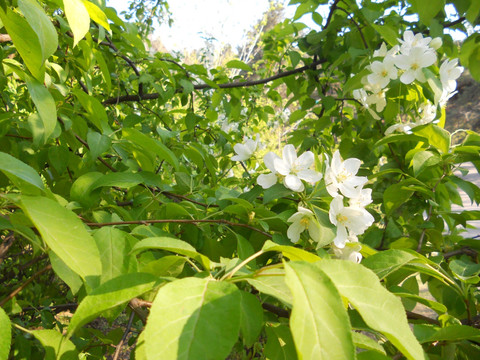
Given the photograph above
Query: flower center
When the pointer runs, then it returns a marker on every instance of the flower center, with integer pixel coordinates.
(341, 218)
(342, 176)
(304, 221)
(384, 73)
(415, 66)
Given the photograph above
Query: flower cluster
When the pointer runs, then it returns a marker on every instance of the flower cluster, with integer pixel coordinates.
(407, 62)
(342, 183)
(290, 169)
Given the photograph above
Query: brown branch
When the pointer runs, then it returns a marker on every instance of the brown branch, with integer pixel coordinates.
(25, 284)
(229, 85)
(6, 245)
(5, 38)
(330, 14)
(463, 251)
(136, 308)
(136, 302)
(55, 308)
(124, 337)
(170, 195)
(415, 316)
(179, 221)
(280, 312)
(453, 23)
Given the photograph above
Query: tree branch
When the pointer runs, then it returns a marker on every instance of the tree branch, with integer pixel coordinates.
(230, 85)
(24, 285)
(124, 337)
(179, 221)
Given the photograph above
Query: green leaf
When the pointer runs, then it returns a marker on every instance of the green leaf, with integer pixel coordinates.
(455, 333)
(96, 14)
(195, 319)
(386, 262)
(45, 105)
(119, 179)
(112, 293)
(319, 322)
(437, 137)
(151, 145)
(380, 309)
(422, 160)
(398, 138)
(251, 318)
(56, 345)
(78, 19)
(237, 64)
(170, 265)
(5, 335)
(173, 245)
(97, 143)
(279, 345)
(395, 196)
(427, 13)
(107, 79)
(114, 250)
(290, 252)
(41, 24)
(436, 306)
(67, 237)
(388, 33)
(26, 41)
(67, 275)
(95, 110)
(465, 269)
(364, 342)
(272, 282)
(22, 175)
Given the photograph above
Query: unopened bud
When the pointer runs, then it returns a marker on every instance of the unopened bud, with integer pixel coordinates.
(436, 43)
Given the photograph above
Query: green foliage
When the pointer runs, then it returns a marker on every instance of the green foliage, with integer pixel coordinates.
(120, 195)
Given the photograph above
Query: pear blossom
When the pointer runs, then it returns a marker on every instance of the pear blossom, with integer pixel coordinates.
(348, 220)
(382, 72)
(401, 127)
(411, 40)
(295, 169)
(245, 150)
(361, 199)
(383, 52)
(351, 251)
(413, 63)
(301, 220)
(341, 176)
(268, 180)
(362, 96)
(449, 73)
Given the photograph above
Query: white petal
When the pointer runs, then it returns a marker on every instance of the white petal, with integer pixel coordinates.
(293, 183)
(289, 154)
(309, 176)
(407, 77)
(341, 237)
(335, 207)
(281, 166)
(267, 180)
(294, 231)
(305, 160)
(352, 165)
(268, 159)
(314, 230)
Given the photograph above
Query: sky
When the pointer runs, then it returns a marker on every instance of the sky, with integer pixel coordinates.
(225, 20)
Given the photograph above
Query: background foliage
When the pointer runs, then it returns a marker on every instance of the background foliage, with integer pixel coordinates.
(120, 199)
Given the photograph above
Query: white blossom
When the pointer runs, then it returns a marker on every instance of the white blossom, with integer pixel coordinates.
(401, 127)
(411, 41)
(301, 220)
(428, 113)
(341, 176)
(449, 73)
(382, 72)
(351, 251)
(361, 199)
(413, 63)
(348, 220)
(362, 96)
(383, 52)
(268, 180)
(295, 169)
(245, 150)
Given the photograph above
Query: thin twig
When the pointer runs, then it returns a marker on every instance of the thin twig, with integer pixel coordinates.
(124, 337)
(229, 85)
(25, 284)
(179, 221)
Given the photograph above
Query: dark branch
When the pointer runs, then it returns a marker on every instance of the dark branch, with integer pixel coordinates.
(179, 221)
(230, 85)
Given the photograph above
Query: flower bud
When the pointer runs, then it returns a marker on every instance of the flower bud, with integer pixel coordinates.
(436, 43)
